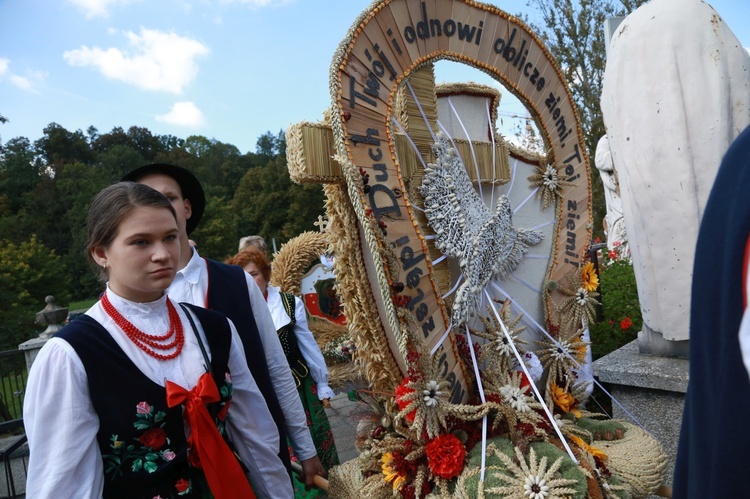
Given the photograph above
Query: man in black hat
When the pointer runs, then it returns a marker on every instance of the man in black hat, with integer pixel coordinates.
(228, 289)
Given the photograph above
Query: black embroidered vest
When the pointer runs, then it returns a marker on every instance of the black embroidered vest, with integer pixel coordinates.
(142, 441)
(228, 294)
(289, 341)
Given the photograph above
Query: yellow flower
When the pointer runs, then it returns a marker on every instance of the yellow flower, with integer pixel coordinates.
(580, 352)
(562, 399)
(117, 444)
(589, 277)
(391, 475)
(594, 451)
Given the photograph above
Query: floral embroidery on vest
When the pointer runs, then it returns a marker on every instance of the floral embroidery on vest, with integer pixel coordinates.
(150, 448)
(226, 389)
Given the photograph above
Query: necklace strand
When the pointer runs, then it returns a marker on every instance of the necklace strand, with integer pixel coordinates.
(143, 340)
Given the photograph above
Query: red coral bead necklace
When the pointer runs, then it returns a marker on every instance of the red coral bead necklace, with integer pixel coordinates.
(143, 340)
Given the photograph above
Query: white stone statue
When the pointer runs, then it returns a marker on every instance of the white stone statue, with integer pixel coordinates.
(614, 223)
(676, 93)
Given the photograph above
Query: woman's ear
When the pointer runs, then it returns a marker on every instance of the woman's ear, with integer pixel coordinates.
(100, 256)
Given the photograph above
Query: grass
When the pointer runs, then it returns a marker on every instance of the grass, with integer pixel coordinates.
(82, 304)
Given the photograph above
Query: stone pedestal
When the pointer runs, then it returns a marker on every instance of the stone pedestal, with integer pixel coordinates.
(651, 388)
(31, 349)
(51, 316)
(653, 343)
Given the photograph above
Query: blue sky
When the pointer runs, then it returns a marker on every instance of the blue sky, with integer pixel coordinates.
(225, 69)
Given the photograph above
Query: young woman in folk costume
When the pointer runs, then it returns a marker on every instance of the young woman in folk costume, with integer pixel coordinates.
(134, 399)
(303, 354)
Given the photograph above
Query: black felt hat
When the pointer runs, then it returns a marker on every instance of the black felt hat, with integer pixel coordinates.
(191, 188)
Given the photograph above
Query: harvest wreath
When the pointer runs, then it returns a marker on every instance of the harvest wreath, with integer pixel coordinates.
(474, 390)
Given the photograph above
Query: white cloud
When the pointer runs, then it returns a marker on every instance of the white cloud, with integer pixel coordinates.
(184, 114)
(97, 8)
(19, 81)
(155, 60)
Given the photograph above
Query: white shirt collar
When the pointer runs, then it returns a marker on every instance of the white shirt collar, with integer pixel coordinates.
(145, 316)
(124, 306)
(191, 282)
(192, 271)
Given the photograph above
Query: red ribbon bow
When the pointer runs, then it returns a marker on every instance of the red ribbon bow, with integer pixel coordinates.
(223, 473)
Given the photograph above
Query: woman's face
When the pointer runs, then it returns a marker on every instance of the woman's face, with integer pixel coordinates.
(142, 259)
(257, 276)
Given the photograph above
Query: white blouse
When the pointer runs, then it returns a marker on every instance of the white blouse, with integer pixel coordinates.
(191, 285)
(307, 344)
(61, 424)
(744, 332)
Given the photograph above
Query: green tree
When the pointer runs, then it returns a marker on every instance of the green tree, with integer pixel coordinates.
(170, 142)
(177, 155)
(19, 173)
(77, 186)
(217, 234)
(140, 140)
(269, 146)
(574, 33)
(216, 165)
(269, 204)
(106, 141)
(117, 161)
(29, 272)
(58, 147)
(144, 142)
(44, 210)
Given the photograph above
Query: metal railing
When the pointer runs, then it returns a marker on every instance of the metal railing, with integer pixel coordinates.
(13, 448)
(14, 455)
(13, 375)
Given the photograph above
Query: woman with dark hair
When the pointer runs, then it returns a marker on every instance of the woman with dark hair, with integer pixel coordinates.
(134, 399)
(303, 354)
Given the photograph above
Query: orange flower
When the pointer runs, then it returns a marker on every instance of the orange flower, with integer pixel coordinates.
(589, 277)
(594, 451)
(626, 324)
(564, 400)
(445, 456)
